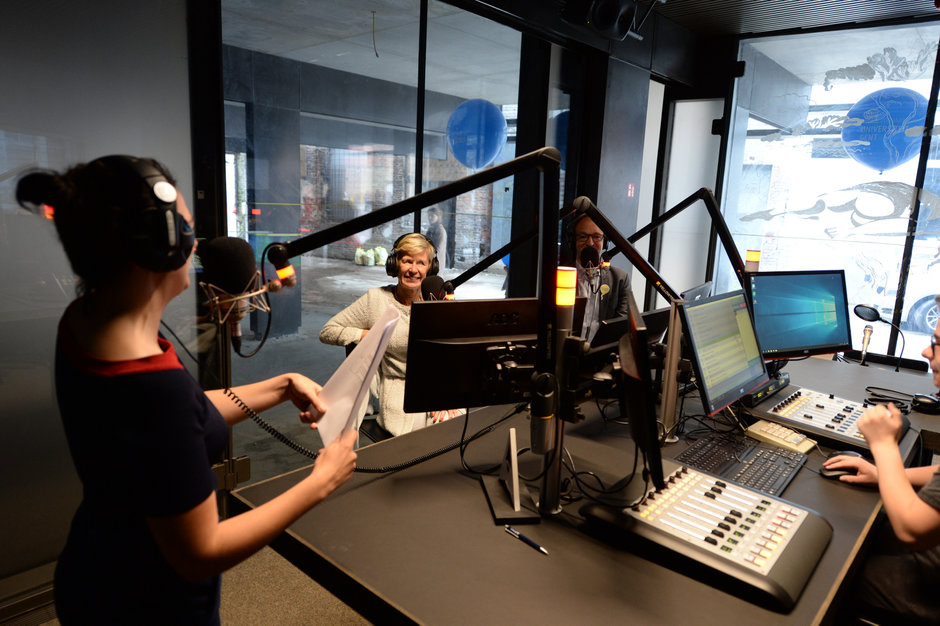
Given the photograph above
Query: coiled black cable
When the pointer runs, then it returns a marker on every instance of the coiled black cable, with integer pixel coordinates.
(271, 430)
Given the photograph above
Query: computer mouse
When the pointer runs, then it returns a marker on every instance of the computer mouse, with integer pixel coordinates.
(842, 471)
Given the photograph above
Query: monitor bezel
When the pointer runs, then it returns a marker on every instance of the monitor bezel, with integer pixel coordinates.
(798, 352)
(713, 403)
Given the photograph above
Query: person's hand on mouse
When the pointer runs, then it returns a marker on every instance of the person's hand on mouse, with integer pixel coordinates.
(865, 473)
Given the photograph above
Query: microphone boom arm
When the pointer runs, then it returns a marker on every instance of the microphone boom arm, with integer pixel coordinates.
(633, 255)
(544, 158)
(718, 223)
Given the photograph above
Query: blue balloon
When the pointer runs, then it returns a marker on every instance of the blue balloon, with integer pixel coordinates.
(476, 133)
(884, 129)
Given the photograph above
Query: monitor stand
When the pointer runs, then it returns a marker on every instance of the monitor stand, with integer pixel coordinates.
(509, 498)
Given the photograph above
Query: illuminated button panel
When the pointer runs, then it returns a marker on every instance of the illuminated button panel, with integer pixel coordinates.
(734, 522)
(823, 411)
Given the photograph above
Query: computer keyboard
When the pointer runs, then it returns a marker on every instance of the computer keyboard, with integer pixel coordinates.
(748, 462)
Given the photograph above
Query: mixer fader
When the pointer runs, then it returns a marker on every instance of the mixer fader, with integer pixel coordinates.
(825, 416)
(769, 544)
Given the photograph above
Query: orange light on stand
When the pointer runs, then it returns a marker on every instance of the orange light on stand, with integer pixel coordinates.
(752, 260)
(285, 272)
(566, 285)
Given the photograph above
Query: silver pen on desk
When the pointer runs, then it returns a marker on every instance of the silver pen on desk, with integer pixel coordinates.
(515, 533)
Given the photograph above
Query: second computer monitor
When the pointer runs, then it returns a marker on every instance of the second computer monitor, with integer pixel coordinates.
(727, 360)
(800, 313)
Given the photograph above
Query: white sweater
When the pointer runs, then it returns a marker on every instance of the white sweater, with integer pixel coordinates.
(389, 384)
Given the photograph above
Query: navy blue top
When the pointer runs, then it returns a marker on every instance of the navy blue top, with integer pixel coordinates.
(143, 437)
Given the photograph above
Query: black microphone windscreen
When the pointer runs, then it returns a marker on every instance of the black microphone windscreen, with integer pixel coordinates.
(228, 263)
(431, 288)
(589, 257)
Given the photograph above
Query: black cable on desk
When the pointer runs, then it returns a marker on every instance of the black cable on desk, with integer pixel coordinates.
(461, 443)
(464, 442)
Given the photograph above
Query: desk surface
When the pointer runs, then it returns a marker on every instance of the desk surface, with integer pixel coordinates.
(420, 544)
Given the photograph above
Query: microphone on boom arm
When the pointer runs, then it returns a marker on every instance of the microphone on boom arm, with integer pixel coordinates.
(436, 288)
(231, 281)
(590, 259)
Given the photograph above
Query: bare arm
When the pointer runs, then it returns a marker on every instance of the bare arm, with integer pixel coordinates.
(263, 395)
(867, 473)
(916, 523)
(197, 545)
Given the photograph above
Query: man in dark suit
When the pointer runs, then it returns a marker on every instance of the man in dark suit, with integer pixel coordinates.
(605, 287)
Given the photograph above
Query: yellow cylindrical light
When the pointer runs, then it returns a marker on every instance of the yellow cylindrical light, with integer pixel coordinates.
(566, 286)
(752, 260)
(286, 273)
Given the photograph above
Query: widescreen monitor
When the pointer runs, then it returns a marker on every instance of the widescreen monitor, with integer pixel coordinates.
(698, 292)
(800, 313)
(724, 349)
(472, 353)
(637, 397)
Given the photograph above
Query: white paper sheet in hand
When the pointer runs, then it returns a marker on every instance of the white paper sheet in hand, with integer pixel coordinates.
(348, 387)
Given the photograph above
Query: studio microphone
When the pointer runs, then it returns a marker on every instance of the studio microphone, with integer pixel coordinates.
(582, 203)
(230, 280)
(436, 288)
(865, 339)
(590, 259)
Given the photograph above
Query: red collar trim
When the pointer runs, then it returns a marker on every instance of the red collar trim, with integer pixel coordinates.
(166, 360)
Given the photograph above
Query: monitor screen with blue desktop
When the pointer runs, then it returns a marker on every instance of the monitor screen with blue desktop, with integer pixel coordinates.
(800, 313)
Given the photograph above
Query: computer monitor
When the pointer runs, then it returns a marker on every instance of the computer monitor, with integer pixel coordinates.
(637, 397)
(697, 292)
(724, 349)
(470, 353)
(800, 313)
(610, 331)
(657, 323)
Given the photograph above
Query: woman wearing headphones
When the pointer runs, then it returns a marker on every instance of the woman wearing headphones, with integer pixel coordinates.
(412, 258)
(146, 544)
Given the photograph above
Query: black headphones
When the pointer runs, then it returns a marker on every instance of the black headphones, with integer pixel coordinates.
(158, 237)
(391, 262)
(920, 402)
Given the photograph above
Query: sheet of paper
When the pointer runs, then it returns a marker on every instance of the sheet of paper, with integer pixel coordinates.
(348, 387)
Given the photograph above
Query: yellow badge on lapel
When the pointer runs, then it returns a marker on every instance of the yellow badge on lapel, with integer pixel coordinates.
(605, 289)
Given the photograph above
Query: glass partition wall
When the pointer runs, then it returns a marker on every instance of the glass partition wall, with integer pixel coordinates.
(321, 126)
(824, 169)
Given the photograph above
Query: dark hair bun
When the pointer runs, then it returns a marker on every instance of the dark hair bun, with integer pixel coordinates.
(38, 188)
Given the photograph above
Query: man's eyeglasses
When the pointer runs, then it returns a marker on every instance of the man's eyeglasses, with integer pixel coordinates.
(583, 237)
(933, 344)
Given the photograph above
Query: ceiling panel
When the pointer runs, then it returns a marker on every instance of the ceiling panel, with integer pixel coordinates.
(378, 38)
(738, 17)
